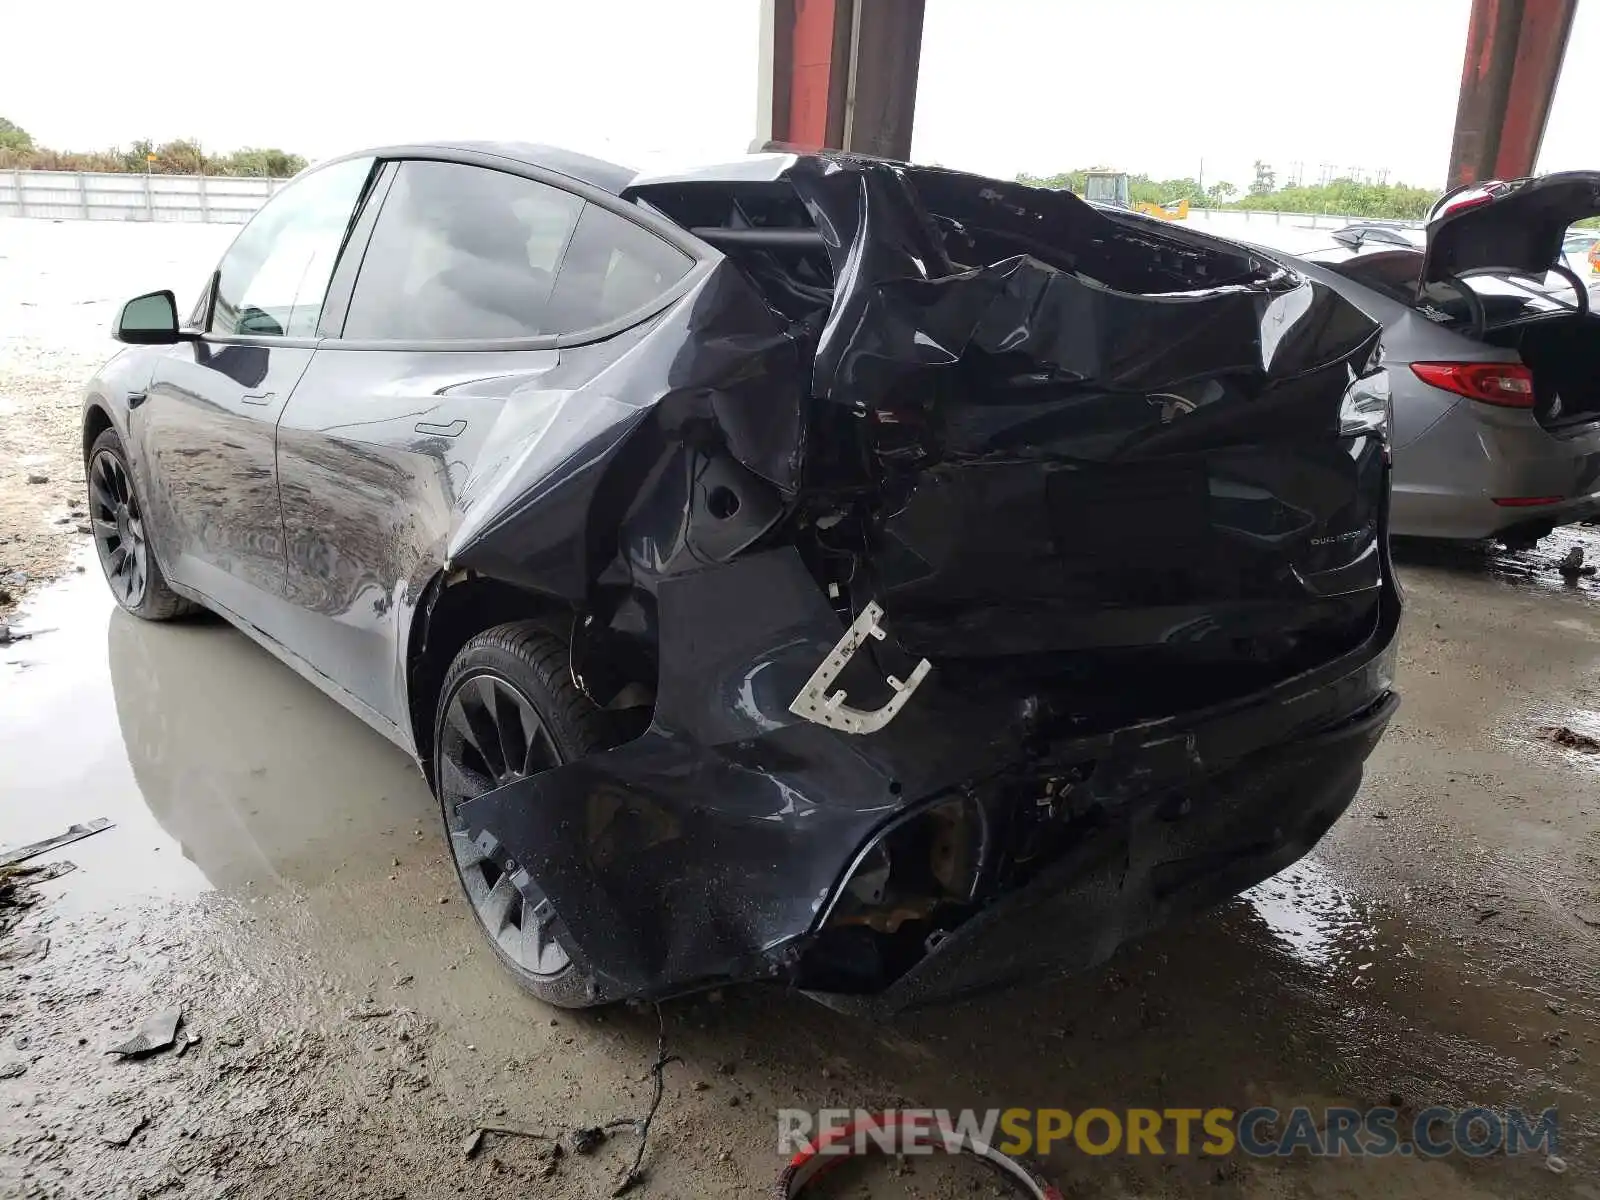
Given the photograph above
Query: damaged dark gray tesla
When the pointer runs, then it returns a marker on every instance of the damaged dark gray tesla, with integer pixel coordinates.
(886, 581)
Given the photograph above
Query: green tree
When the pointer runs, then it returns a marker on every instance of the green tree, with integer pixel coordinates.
(1266, 179)
(1220, 193)
(14, 137)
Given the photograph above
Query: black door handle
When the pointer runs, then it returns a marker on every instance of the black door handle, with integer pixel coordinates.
(259, 397)
(137, 398)
(454, 429)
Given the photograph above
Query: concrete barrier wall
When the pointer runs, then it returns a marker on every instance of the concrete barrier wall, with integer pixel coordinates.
(108, 196)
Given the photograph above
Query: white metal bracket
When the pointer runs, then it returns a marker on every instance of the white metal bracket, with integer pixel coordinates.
(814, 704)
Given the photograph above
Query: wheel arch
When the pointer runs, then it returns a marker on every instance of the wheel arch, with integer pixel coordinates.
(96, 420)
(454, 608)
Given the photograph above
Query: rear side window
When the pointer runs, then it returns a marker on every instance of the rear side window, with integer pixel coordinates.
(462, 252)
(613, 267)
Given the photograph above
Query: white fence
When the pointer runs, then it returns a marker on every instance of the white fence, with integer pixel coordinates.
(108, 196)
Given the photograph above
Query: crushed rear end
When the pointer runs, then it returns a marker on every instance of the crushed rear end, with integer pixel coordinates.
(1084, 514)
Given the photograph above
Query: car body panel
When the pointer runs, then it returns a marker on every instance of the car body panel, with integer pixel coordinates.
(1048, 439)
(207, 435)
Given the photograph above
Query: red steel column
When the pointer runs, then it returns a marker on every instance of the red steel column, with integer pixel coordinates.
(1513, 61)
(840, 74)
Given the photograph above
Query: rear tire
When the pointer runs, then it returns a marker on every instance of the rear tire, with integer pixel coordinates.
(508, 709)
(117, 524)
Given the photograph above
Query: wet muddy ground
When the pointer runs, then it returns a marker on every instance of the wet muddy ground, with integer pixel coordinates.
(278, 872)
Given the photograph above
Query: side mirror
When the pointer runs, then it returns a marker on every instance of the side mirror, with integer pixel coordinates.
(149, 320)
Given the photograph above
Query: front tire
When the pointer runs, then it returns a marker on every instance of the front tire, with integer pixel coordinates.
(117, 523)
(508, 709)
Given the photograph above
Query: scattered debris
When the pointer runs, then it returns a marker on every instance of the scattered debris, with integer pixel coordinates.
(636, 1175)
(1564, 735)
(1557, 1164)
(10, 1070)
(9, 635)
(1379, 815)
(588, 1140)
(16, 893)
(370, 1014)
(36, 479)
(474, 1141)
(185, 1041)
(1484, 914)
(23, 853)
(123, 1133)
(155, 1032)
(1571, 566)
(24, 949)
(1590, 917)
(1555, 1007)
(83, 527)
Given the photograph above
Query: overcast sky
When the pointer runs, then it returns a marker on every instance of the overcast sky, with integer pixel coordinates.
(1006, 85)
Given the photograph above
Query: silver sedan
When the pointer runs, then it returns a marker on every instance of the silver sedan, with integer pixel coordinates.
(1494, 360)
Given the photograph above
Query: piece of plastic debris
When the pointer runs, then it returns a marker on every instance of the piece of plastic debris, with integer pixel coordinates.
(813, 703)
(10, 1070)
(1556, 1164)
(121, 1135)
(1563, 735)
(23, 853)
(155, 1032)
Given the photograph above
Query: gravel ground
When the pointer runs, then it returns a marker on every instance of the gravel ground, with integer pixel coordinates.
(61, 284)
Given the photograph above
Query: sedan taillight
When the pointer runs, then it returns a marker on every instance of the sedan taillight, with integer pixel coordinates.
(1509, 385)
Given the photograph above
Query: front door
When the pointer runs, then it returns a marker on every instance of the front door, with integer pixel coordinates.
(206, 430)
(445, 364)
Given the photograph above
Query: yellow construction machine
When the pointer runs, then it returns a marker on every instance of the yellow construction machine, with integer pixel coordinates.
(1111, 187)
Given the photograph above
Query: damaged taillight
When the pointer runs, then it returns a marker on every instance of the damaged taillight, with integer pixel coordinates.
(1507, 385)
(1366, 407)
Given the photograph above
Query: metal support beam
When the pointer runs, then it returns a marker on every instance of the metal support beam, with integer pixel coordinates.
(840, 74)
(1513, 61)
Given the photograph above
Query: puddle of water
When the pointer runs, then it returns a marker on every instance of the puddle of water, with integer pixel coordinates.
(1532, 568)
(218, 765)
(1315, 919)
(65, 758)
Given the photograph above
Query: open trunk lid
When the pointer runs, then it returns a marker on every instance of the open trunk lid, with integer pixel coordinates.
(1514, 226)
(1145, 464)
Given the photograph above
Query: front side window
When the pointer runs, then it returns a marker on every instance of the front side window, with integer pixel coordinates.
(461, 252)
(275, 276)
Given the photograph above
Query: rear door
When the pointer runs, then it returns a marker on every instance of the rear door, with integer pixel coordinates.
(480, 303)
(206, 427)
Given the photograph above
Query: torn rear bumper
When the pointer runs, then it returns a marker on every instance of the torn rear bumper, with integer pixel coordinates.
(719, 845)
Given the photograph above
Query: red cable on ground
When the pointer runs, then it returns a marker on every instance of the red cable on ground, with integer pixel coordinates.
(834, 1147)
